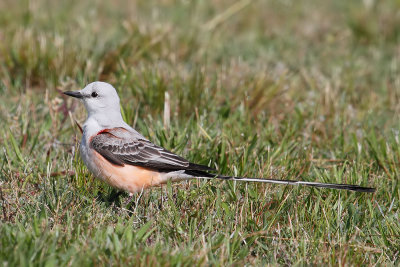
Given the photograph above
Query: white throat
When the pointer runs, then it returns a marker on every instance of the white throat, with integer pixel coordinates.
(99, 121)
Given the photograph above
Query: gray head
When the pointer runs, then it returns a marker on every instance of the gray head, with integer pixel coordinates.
(101, 101)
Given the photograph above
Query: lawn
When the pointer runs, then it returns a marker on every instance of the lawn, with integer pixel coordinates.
(300, 90)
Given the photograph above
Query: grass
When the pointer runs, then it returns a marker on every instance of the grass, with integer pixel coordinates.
(284, 89)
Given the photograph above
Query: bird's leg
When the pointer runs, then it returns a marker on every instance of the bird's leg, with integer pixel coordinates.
(129, 199)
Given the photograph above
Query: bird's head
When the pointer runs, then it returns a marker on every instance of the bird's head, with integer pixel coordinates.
(98, 98)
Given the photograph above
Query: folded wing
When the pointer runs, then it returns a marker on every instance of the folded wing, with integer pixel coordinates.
(120, 146)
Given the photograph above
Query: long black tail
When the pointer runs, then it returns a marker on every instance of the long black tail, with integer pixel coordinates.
(357, 188)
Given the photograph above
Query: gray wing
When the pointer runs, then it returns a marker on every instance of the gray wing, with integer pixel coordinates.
(120, 147)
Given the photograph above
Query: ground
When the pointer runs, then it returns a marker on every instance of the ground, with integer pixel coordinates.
(301, 90)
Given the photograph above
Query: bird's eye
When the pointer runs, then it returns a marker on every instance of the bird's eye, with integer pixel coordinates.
(94, 94)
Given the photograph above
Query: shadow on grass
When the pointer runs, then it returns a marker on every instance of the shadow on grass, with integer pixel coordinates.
(117, 198)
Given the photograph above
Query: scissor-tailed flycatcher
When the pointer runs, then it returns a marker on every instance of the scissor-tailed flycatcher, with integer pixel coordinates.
(118, 154)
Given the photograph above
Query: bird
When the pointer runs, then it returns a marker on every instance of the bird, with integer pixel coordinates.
(118, 154)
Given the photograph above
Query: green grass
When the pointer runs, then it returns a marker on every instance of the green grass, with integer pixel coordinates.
(306, 90)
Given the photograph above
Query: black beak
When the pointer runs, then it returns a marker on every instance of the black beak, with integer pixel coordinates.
(73, 94)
